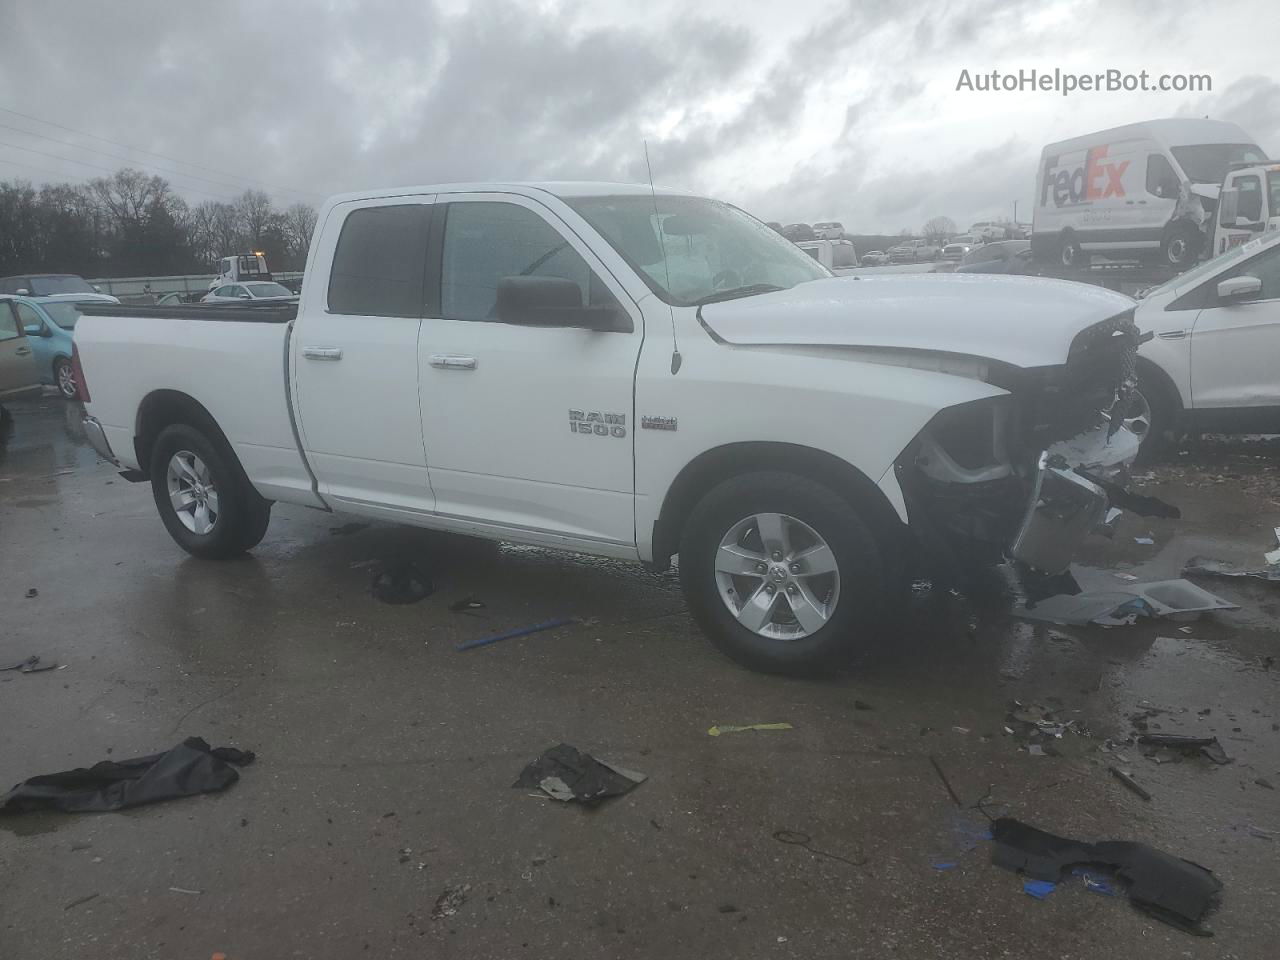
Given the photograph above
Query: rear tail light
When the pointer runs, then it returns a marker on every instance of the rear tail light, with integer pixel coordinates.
(82, 387)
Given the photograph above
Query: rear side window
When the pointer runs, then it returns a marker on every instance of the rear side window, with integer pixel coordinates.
(8, 325)
(379, 267)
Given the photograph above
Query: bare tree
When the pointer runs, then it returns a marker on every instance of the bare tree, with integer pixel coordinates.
(254, 211)
(127, 195)
(299, 224)
(940, 228)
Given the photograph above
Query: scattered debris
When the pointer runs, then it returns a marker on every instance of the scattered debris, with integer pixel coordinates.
(32, 665)
(1264, 783)
(32, 593)
(944, 865)
(862, 705)
(1175, 891)
(1125, 576)
(1142, 505)
(190, 768)
(945, 782)
(76, 903)
(1040, 889)
(1215, 568)
(190, 893)
(726, 908)
(466, 603)
(1129, 782)
(730, 728)
(1145, 541)
(795, 838)
(512, 634)
(401, 583)
(563, 773)
(1096, 884)
(1036, 750)
(450, 900)
(1152, 745)
(1176, 599)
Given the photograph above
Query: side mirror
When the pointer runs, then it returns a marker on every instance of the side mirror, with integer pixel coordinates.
(35, 330)
(96, 288)
(554, 302)
(1239, 288)
(1247, 224)
(244, 296)
(24, 292)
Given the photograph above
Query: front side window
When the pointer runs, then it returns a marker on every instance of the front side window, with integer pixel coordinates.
(1161, 180)
(379, 266)
(487, 242)
(1249, 204)
(1266, 268)
(28, 316)
(692, 248)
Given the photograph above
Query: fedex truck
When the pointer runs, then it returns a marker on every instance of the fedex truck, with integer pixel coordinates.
(1146, 189)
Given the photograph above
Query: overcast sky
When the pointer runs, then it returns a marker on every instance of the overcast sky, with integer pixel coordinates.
(846, 111)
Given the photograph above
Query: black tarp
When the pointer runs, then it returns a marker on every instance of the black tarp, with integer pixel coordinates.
(191, 768)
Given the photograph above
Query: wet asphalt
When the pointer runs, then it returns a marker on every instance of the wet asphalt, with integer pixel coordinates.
(385, 758)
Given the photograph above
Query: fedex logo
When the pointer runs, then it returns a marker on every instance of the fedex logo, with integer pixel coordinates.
(1096, 179)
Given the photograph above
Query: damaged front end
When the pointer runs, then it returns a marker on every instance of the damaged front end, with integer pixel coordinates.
(1030, 474)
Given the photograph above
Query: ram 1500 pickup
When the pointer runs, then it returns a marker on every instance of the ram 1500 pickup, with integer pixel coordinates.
(634, 374)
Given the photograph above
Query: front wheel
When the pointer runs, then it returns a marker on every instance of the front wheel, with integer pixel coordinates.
(65, 377)
(205, 501)
(1180, 247)
(782, 574)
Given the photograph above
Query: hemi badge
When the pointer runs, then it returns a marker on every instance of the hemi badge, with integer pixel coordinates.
(657, 423)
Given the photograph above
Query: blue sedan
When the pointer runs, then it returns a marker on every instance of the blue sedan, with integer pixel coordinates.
(49, 323)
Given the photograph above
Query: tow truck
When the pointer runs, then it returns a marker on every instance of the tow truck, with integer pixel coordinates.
(1248, 205)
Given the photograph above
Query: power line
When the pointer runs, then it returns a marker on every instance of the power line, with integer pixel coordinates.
(85, 163)
(189, 163)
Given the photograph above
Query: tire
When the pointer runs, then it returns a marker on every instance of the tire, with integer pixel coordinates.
(857, 593)
(1181, 245)
(64, 378)
(1162, 411)
(1070, 254)
(206, 472)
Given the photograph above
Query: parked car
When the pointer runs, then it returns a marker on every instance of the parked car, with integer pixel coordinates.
(250, 290)
(838, 256)
(874, 258)
(1144, 189)
(532, 363)
(18, 375)
(957, 247)
(914, 251)
(1004, 256)
(828, 230)
(988, 231)
(46, 284)
(795, 232)
(1212, 362)
(48, 323)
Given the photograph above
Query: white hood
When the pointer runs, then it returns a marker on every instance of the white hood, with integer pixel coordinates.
(1023, 321)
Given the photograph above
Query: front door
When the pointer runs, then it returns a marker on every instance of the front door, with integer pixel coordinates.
(18, 374)
(527, 428)
(354, 356)
(1234, 345)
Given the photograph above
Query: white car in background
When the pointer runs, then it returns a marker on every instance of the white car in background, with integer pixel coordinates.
(875, 258)
(957, 247)
(251, 290)
(1212, 362)
(828, 230)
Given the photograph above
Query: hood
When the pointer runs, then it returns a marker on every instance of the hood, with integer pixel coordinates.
(1022, 321)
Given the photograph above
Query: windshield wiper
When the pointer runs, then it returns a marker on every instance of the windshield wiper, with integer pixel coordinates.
(734, 293)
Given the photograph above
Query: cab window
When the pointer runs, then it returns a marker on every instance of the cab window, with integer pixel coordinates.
(1249, 205)
(1161, 180)
(8, 323)
(379, 266)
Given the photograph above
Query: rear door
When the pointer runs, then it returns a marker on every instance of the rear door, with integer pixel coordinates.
(527, 428)
(355, 357)
(1235, 346)
(18, 375)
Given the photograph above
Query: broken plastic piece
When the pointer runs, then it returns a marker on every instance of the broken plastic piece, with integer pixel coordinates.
(730, 728)
(1131, 783)
(1208, 747)
(1175, 891)
(512, 634)
(1040, 889)
(563, 773)
(400, 583)
(1138, 503)
(1216, 568)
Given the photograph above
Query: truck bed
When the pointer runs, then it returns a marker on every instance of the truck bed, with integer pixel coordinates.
(227, 312)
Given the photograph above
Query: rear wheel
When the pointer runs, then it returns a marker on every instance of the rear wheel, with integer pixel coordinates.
(782, 574)
(1070, 253)
(65, 377)
(205, 501)
(1180, 247)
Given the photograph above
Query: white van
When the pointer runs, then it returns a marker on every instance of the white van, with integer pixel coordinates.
(1142, 188)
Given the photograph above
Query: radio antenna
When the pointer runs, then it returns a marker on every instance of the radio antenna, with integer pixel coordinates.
(676, 359)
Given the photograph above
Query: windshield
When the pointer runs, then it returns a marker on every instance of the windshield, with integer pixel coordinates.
(261, 290)
(64, 313)
(48, 286)
(1210, 267)
(1208, 162)
(710, 247)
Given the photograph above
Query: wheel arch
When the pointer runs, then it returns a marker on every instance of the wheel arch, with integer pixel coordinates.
(163, 408)
(1148, 370)
(718, 464)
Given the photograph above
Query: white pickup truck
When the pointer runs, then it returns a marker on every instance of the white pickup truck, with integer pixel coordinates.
(603, 369)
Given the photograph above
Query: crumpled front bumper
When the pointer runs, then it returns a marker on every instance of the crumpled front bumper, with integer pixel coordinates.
(1067, 503)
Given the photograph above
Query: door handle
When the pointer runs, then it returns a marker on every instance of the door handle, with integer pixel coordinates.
(23, 352)
(452, 362)
(322, 353)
